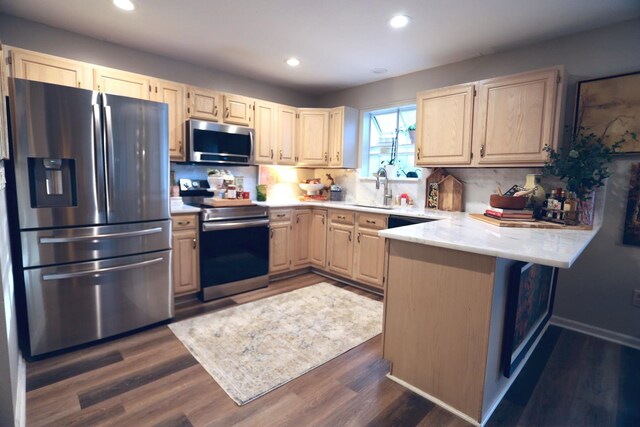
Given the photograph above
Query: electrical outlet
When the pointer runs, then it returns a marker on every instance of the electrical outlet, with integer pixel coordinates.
(636, 298)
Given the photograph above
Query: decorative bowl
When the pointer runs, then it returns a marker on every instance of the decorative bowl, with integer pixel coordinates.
(508, 202)
(311, 189)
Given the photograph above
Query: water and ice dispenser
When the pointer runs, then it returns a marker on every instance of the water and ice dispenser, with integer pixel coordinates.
(52, 182)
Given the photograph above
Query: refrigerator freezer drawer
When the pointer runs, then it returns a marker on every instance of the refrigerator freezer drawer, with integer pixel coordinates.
(67, 245)
(79, 303)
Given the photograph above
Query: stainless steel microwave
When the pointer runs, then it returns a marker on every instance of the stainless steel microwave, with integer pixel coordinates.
(214, 143)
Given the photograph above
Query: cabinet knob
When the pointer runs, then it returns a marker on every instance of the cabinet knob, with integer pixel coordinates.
(326, 156)
(418, 153)
(370, 221)
(280, 215)
(226, 112)
(280, 154)
(180, 147)
(215, 111)
(271, 233)
(358, 237)
(337, 156)
(322, 220)
(271, 153)
(184, 222)
(482, 150)
(194, 243)
(349, 236)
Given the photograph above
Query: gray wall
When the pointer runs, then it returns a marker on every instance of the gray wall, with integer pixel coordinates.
(597, 291)
(41, 38)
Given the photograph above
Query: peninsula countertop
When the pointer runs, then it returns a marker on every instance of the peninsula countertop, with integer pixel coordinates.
(458, 231)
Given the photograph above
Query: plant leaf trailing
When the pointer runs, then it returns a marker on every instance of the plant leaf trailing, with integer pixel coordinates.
(583, 164)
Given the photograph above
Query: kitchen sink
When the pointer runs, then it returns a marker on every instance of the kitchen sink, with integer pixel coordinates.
(373, 206)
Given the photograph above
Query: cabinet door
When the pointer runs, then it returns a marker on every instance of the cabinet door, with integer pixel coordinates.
(318, 238)
(265, 132)
(121, 83)
(173, 94)
(286, 140)
(49, 69)
(238, 110)
(313, 130)
(300, 247)
(444, 125)
(203, 104)
(279, 247)
(341, 249)
(369, 257)
(336, 134)
(185, 261)
(517, 117)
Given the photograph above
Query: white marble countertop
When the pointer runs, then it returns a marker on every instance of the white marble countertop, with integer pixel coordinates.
(184, 209)
(456, 230)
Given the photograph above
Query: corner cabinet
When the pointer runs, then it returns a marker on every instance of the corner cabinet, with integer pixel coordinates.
(503, 121)
(184, 242)
(313, 141)
(517, 117)
(444, 125)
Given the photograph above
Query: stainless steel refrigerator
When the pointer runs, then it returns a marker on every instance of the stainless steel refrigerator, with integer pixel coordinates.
(91, 206)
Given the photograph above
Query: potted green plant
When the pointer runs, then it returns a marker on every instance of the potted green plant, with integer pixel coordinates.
(583, 164)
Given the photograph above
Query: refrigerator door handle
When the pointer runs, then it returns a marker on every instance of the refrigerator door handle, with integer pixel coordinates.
(108, 147)
(62, 276)
(100, 236)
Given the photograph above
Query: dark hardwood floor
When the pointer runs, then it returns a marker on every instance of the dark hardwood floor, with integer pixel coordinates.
(149, 378)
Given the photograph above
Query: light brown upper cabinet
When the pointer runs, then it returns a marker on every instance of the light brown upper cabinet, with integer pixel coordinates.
(313, 141)
(203, 104)
(508, 122)
(343, 137)
(444, 124)
(123, 83)
(266, 132)
(286, 135)
(49, 69)
(173, 94)
(238, 110)
(517, 116)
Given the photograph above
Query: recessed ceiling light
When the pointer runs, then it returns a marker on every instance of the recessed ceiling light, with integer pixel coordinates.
(399, 21)
(124, 4)
(293, 62)
(379, 70)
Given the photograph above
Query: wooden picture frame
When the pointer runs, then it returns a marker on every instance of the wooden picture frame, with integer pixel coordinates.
(611, 105)
(530, 298)
(631, 235)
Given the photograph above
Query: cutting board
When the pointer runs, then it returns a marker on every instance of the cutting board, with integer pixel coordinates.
(527, 224)
(217, 202)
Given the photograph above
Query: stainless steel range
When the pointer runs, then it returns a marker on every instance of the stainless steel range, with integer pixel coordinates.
(234, 244)
(234, 250)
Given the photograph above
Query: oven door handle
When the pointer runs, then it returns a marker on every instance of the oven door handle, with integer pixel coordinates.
(230, 225)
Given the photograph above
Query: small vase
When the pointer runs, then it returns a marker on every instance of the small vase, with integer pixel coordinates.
(586, 209)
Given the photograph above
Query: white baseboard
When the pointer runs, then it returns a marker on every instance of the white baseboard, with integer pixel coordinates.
(605, 334)
(20, 412)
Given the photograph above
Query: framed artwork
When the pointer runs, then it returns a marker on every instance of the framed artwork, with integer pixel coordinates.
(529, 306)
(610, 106)
(631, 234)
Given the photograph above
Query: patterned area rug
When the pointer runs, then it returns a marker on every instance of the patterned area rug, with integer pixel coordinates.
(256, 347)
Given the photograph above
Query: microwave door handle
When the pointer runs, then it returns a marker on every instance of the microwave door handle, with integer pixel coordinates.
(62, 276)
(217, 226)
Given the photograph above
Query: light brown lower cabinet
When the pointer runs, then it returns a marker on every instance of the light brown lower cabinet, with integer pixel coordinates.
(300, 237)
(279, 237)
(318, 238)
(184, 242)
(341, 249)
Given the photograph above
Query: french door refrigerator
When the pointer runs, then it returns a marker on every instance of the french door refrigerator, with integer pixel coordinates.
(92, 237)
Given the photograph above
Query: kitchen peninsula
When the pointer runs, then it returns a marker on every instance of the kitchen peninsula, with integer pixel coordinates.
(445, 304)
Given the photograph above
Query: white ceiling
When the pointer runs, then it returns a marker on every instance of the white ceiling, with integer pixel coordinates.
(338, 41)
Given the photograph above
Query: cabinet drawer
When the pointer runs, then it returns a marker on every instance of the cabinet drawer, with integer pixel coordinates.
(342, 217)
(376, 222)
(280, 215)
(182, 222)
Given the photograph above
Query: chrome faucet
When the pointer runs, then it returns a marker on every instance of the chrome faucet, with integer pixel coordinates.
(388, 193)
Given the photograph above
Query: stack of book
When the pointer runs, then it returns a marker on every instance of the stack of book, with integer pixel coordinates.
(509, 214)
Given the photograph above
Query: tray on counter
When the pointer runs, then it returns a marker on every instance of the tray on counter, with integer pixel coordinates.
(217, 202)
(527, 224)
